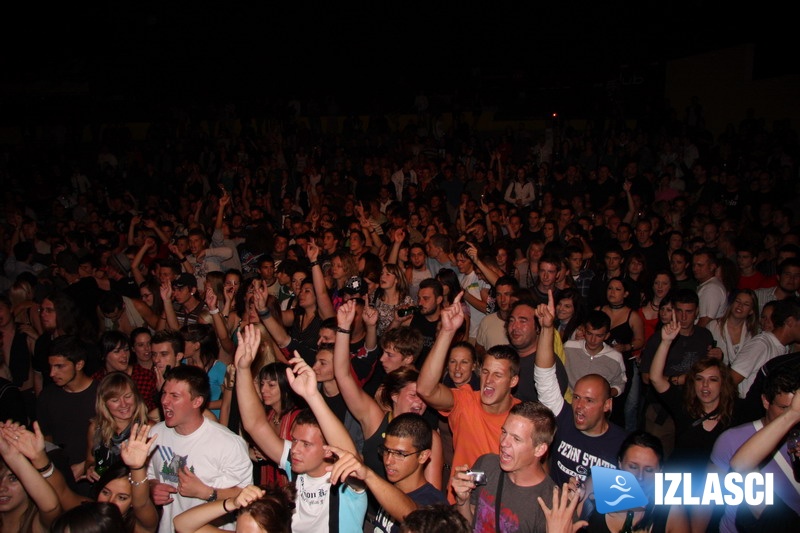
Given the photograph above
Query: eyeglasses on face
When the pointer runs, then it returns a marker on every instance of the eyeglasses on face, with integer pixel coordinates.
(397, 454)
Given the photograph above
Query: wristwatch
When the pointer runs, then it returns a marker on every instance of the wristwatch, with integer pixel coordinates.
(213, 496)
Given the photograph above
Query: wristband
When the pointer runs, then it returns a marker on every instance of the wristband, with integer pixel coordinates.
(45, 468)
(345, 331)
(49, 472)
(263, 314)
(140, 468)
(213, 311)
(225, 507)
(312, 264)
(182, 259)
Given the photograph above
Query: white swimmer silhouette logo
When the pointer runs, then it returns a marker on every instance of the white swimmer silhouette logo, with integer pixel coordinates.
(616, 490)
(620, 486)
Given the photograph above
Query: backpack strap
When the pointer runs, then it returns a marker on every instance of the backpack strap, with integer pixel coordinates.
(333, 510)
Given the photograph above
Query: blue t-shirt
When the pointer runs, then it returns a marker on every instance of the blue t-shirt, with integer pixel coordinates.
(427, 494)
(216, 377)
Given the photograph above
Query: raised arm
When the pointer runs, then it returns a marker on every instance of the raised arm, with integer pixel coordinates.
(668, 334)
(42, 494)
(220, 327)
(169, 310)
(490, 275)
(303, 381)
(764, 442)
(429, 385)
(134, 453)
(31, 445)
(275, 327)
(137, 260)
(324, 304)
(254, 419)
(394, 251)
(132, 229)
(362, 406)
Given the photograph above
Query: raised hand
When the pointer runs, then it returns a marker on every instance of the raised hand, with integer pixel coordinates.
(135, 451)
(370, 316)
(546, 312)
(6, 448)
(166, 291)
(472, 252)
(211, 298)
(346, 314)
(30, 444)
(247, 346)
(260, 294)
(452, 317)
(301, 377)
(670, 330)
(312, 251)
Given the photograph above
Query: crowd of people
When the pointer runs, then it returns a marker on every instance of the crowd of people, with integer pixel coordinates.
(291, 331)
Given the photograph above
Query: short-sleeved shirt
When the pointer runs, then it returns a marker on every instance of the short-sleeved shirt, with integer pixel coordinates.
(475, 432)
(312, 510)
(519, 510)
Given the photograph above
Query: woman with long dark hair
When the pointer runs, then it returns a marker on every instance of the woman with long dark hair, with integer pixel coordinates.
(283, 405)
(627, 337)
(570, 313)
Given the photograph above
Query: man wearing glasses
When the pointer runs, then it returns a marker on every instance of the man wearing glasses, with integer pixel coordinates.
(405, 451)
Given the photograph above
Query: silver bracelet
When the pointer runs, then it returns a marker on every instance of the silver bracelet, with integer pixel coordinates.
(136, 483)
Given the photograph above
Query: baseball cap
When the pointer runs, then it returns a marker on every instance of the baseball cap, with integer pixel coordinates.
(185, 280)
(355, 285)
(120, 262)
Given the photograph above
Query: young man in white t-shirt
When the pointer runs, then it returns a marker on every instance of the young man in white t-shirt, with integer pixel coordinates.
(306, 458)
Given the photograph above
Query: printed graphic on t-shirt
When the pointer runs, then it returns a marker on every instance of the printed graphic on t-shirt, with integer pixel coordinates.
(484, 516)
(172, 464)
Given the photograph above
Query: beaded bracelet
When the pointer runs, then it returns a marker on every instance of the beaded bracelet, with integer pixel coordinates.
(136, 483)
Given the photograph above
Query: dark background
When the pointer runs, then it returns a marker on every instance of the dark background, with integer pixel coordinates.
(132, 60)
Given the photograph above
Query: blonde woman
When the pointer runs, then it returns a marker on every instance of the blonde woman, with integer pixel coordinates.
(738, 325)
(118, 406)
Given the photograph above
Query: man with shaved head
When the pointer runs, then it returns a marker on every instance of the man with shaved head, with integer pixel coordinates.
(585, 436)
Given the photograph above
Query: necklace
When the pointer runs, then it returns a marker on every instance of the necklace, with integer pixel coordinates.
(618, 306)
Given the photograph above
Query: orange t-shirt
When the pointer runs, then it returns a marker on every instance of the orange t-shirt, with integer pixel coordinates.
(475, 432)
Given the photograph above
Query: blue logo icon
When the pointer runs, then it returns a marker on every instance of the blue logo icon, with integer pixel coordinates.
(616, 490)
